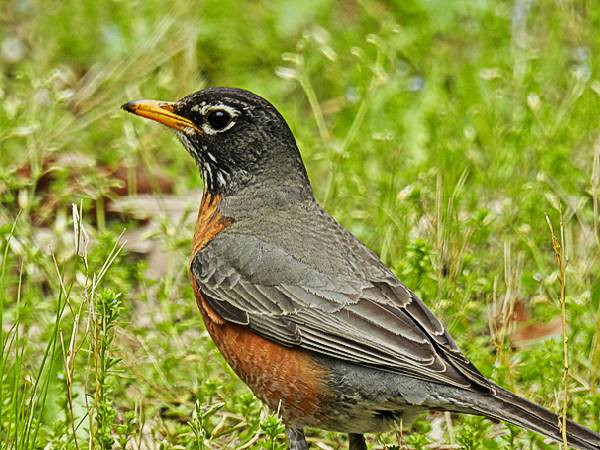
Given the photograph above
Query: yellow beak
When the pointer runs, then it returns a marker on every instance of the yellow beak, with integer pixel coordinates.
(161, 112)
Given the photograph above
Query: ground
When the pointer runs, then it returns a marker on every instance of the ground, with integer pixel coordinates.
(448, 136)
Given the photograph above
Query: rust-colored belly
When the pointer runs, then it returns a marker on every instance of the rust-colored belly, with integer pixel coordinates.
(288, 380)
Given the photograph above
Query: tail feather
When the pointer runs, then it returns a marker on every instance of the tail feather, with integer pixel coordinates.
(519, 411)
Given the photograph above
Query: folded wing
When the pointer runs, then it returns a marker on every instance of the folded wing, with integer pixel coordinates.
(375, 322)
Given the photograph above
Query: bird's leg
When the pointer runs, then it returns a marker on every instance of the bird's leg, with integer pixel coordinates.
(296, 439)
(357, 441)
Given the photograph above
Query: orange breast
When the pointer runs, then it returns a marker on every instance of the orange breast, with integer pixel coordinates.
(209, 223)
(288, 380)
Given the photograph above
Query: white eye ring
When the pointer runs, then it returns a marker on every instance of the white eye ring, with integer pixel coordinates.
(218, 119)
(206, 110)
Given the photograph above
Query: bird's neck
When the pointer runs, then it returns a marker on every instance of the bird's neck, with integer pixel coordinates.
(255, 198)
(274, 180)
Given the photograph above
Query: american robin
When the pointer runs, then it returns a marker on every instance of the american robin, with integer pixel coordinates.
(307, 316)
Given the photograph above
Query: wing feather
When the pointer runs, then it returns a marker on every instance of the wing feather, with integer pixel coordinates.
(367, 320)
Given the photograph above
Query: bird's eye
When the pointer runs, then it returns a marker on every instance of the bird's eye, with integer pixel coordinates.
(218, 119)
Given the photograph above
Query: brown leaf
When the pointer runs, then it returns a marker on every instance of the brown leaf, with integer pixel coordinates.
(527, 331)
(125, 181)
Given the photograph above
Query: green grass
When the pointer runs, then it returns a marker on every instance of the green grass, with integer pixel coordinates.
(441, 134)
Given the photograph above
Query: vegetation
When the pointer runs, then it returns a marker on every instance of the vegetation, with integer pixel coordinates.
(445, 135)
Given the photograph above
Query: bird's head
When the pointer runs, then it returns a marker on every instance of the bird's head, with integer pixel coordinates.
(238, 139)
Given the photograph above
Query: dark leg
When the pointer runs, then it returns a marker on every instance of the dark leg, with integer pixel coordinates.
(357, 442)
(296, 439)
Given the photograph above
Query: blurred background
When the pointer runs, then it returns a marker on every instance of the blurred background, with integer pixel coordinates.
(448, 136)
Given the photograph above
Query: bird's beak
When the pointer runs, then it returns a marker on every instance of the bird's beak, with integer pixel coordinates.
(161, 112)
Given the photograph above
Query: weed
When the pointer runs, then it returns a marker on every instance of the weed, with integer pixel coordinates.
(441, 137)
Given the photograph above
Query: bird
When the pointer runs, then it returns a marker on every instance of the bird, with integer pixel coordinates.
(303, 312)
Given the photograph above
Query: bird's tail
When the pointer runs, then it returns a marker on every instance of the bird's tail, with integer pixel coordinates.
(519, 411)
